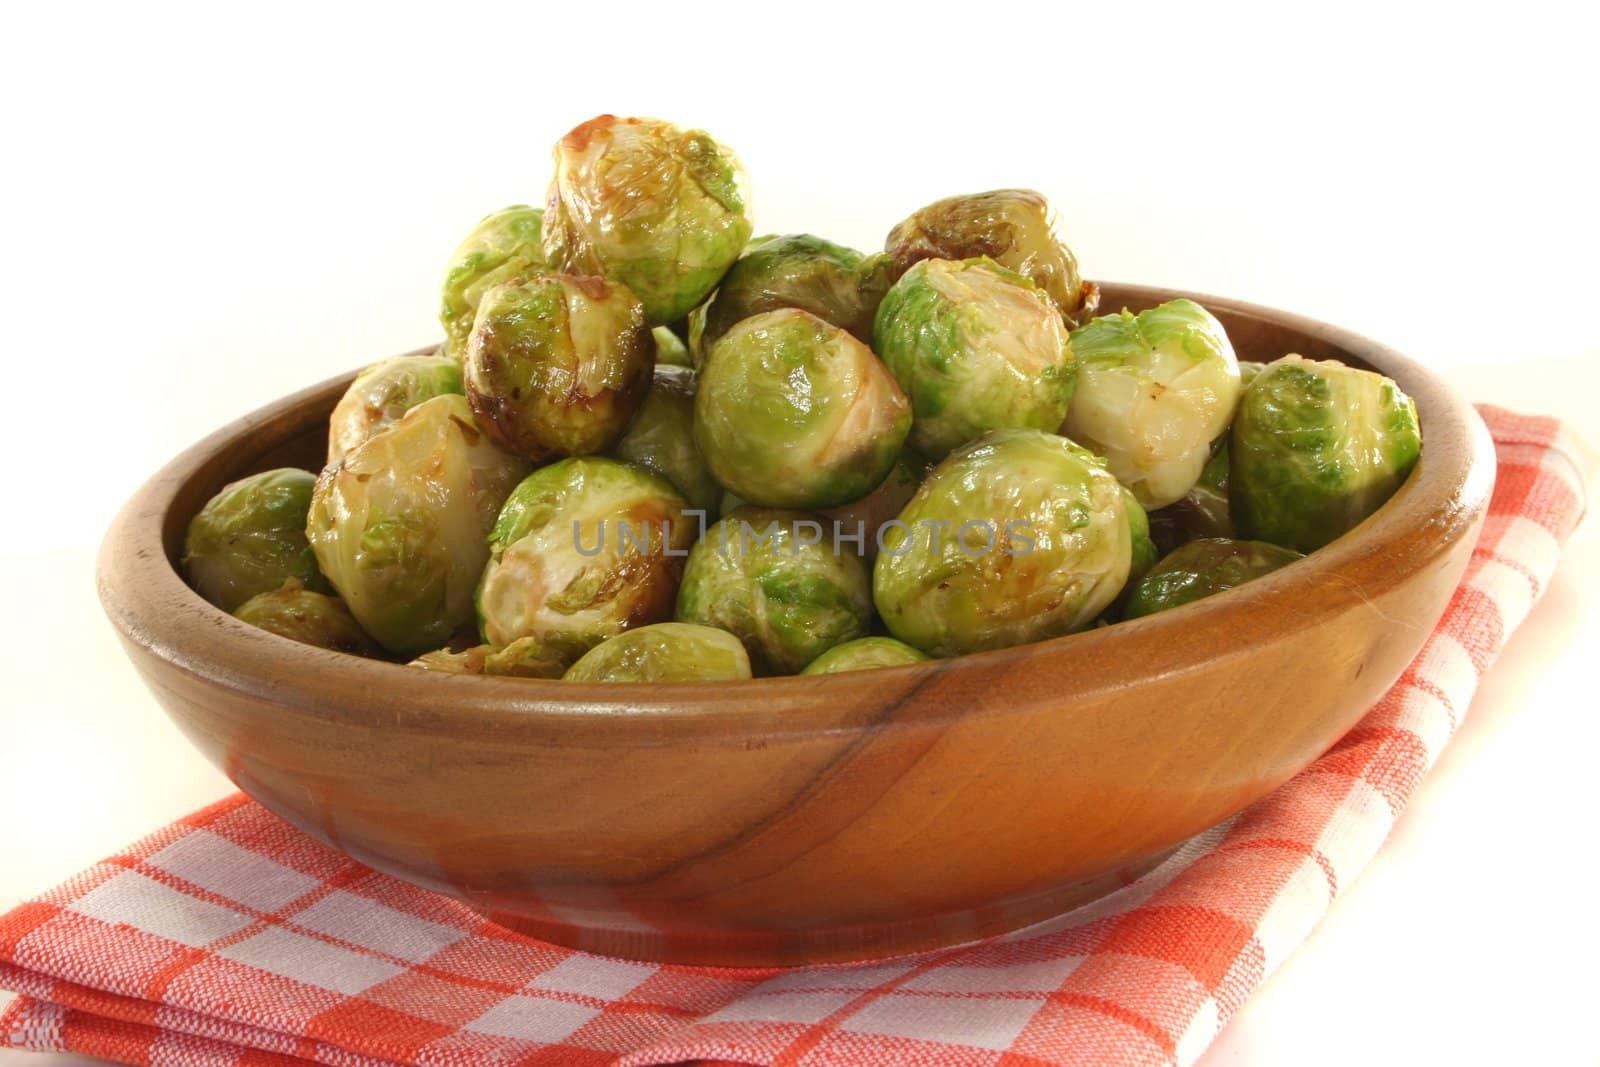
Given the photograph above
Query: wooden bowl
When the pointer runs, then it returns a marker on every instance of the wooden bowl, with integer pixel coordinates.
(792, 820)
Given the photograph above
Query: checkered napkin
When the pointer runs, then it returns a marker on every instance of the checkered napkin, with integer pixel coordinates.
(230, 938)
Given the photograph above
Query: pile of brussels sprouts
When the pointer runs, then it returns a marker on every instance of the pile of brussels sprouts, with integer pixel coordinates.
(653, 449)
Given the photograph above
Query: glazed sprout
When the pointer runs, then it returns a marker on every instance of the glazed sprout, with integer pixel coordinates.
(1018, 536)
(794, 412)
(524, 658)
(661, 439)
(398, 527)
(662, 210)
(774, 579)
(384, 392)
(1013, 227)
(583, 549)
(859, 522)
(311, 618)
(504, 247)
(558, 365)
(1202, 567)
(1154, 390)
(976, 347)
(670, 348)
(251, 537)
(838, 285)
(864, 654)
(1317, 447)
(664, 652)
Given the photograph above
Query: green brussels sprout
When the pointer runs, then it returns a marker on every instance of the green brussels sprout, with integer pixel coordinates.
(398, 527)
(670, 348)
(384, 392)
(1202, 567)
(838, 285)
(1316, 448)
(1013, 227)
(526, 657)
(664, 211)
(557, 365)
(251, 537)
(1248, 369)
(664, 652)
(1144, 552)
(1018, 536)
(504, 247)
(773, 579)
(859, 522)
(299, 614)
(976, 347)
(864, 654)
(1154, 390)
(793, 412)
(583, 549)
(661, 439)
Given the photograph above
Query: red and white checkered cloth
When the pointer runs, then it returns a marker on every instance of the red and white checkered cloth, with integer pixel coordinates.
(230, 938)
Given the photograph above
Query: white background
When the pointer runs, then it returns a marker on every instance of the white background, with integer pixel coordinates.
(206, 208)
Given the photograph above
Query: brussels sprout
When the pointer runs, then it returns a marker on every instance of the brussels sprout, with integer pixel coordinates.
(1317, 447)
(670, 348)
(250, 537)
(524, 658)
(838, 285)
(1018, 536)
(583, 549)
(665, 652)
(558, 365)
(774, 580)
(384, 392)
(864, 654)
(1200, 568)
(1154, 390)
(1248, 369)
(299, 614)
(399, 526)
(664, 211)
(504, 247)
(793, 412)
(976, 347)
(661, 439)
(1143, 554)
(1013, 227)
(864, 518)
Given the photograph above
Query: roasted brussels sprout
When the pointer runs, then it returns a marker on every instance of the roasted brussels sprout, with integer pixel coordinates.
(671, 351)
(557, 365)
(251, 537)
(664, 652)
(1013, 227)
(661, 439)
(793, 412)
(299, 614)
(1018, 536)
(583, 549)
(864, 654)
(838, 285)
(504, 247)
(526, 657)
(774, 580)
(384, 392)
(398, 527)
(1317, 447)
(976, 347)
(859, 522)
(1154, 390)
(664, 211)
(1200, 568)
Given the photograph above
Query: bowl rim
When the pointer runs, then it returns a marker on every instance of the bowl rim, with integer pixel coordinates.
(151, 605)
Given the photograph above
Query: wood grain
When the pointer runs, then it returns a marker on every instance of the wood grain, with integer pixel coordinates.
(833, 817)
